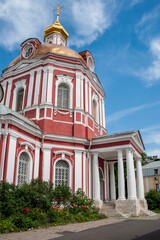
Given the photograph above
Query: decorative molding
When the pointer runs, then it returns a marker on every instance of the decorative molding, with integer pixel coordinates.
(27, 144)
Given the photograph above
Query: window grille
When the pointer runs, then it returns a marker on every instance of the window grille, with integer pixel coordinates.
(101, 183)
(23, 169)
(20, 100)
(63, 96)
(62, 173)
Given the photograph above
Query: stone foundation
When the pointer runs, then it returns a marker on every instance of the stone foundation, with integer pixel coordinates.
(98, 203)
(131, 207)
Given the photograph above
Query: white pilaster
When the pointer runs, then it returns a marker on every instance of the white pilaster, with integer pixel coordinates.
(86, 94)
(112, 182)
(131, 183)
(30, 89)
(90, 100)
(37, 86)
(46, 164)
(121, 183)
(11, 159)
(44, 86)
(82, 94)
(8, 94)
(36, 162)
(78, 88)
(49, 87)
(78, 170)
(140, 185)
(3, 156)
(100, 111)
(96, 179)
(84, 172)
(103, 110)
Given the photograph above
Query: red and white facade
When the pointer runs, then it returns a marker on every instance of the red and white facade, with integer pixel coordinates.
(52, 124)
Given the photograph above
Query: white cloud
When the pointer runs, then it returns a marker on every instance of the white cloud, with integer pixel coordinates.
(135, 2)
(91, 19)
(151, 75)
(153, 152)
(123, 113)
(20, 20)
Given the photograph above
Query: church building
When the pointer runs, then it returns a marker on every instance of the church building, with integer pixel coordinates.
(52, 125)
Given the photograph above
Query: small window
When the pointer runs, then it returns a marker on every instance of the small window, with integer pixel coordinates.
(23, 169)
(62, 173)
(63, 96)
(157, 187)
(156, 171)
(20, 94)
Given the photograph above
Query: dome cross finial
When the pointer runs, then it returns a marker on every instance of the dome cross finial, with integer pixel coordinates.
(57, 12)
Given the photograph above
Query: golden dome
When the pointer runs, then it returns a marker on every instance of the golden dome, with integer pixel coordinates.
(56, 28)
(51, 48)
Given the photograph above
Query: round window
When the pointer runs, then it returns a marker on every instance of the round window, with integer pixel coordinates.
(27, 52)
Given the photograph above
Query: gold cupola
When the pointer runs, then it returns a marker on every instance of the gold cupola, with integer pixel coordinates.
(56, 33)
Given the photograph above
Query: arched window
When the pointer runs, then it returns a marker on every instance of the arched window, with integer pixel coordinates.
(62, 173)
(95, 109)
(101, 183)
(23, 168)
(63, 96)
(19, 105)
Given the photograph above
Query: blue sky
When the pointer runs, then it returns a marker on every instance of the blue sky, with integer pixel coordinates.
(124, 38)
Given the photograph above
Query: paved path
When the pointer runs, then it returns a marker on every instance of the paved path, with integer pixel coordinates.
(102, 229)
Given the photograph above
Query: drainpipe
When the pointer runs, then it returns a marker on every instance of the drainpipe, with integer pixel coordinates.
(87, 167)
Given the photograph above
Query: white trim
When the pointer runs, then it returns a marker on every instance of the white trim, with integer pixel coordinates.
(63, 152)
(8, 93)
(37, 86)
(19, 84)
(50, 86)
(11, 159)
(30, 167)
(68, 81)
(27, 144)
(78, 170)
(70, 170)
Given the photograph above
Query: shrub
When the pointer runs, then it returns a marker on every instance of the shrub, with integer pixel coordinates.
(62, 195)
(153, 200)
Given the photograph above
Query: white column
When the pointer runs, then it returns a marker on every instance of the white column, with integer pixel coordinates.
(106, 175)
(30, 89)
(140, 185)
(36, 162)
(121, 183)
(112, 182)
(44, 86)
(90, 177)
(49, 87)
(3, 156)
(11, 159)
(8, 94)
(108, 195)
(78, 170)
(84, 172)
(46, 164)
(100, 111)
(96, 179)
(131, 182)
(37, 85)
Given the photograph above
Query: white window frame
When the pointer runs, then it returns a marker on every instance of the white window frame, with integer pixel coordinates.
(30, 166)
(68, 81)
(70, 170)
(18, 85)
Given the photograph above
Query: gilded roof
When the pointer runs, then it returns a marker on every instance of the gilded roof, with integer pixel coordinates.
(50, 48)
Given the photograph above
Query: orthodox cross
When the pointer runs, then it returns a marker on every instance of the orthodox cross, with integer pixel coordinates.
(57, 12)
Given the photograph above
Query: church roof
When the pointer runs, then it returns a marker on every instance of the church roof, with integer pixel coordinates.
(6, 111)
(51, 48)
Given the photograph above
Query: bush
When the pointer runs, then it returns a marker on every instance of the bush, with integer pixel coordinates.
(153, 200)
(31, 206)
(62, 195)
